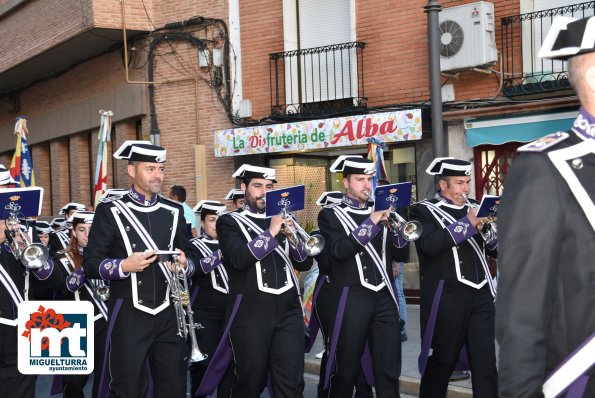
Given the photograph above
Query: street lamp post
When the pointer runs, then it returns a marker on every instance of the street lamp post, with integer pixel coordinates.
(432, 9)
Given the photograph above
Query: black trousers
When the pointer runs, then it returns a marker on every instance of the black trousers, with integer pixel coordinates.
(213, 324)
(12, 382)
(267, 338)
(369, 317)
(139, 337)
(465, 316)
(74, 384)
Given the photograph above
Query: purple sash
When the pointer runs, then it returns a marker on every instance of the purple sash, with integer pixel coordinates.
(314, 326)
(335, 338)
(221, 357)
(427, 339)
(104, 382)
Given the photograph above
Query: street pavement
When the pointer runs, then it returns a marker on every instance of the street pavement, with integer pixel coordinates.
(410, 377)
(409, 373)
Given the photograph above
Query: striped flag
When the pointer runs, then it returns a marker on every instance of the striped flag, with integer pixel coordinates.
(21, 166)
(375, 154)
(100, 181)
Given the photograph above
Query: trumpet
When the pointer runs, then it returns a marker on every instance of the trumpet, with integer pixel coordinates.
(313, 244)
(487, 227)
(180, 295)
(33, 255)
(409, 230)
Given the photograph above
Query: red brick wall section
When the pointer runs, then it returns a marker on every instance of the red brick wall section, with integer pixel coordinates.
(124, 131)
(80, 167)
(60, 177)
(395, 57)
(41, 166)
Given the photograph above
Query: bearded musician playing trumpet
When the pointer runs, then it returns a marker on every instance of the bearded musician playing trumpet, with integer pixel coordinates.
(266, 324)
(360, 248)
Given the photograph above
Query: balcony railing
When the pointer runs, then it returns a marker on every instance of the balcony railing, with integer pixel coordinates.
(522, 36)
(318, 82)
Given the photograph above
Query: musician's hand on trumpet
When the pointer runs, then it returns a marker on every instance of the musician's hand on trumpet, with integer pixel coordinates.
(182, 262)
(472, 216)
(276, 225)
(378, 216)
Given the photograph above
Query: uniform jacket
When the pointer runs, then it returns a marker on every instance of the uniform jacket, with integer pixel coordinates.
(251, 258)
(113, 238)
(76, 286)
(546, 270)
(444, 249)
(350, 263)
(13, 277)
(210, 278)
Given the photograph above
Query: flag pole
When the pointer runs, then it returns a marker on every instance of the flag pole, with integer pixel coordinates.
(100, 181)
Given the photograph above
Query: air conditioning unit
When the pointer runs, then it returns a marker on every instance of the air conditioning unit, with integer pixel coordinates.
(467, 37)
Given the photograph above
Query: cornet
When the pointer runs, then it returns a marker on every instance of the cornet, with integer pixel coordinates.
(409, 230)
(33, 255)
(181, 298)
(487, 227)
(313, 244)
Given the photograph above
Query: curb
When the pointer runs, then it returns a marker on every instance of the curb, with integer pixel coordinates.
(408, 385)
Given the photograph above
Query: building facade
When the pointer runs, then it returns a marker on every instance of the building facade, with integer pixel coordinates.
(284, 78)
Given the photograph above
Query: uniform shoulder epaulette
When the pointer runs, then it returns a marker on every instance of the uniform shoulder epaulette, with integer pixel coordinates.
(331, 205)
(110, 199)
(544, 143)
(169, 200)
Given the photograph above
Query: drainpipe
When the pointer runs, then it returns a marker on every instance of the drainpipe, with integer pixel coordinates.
(432, 9)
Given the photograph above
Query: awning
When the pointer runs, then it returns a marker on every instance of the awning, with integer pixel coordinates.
(516, 129)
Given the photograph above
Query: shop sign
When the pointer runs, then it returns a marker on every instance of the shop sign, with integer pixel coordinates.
(319, 134)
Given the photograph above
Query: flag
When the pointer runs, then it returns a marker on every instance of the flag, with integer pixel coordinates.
(105, 129)
(375, 154)
(21, 166)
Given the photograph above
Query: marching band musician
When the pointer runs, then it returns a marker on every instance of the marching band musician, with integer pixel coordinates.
(76, 286)
(545, 321)
(210, 288)
(59, 239)
(361, 249)
(124, 241)
(15, 287)
(266, 325)
(43, 231)
(457, 290)
(237, 198)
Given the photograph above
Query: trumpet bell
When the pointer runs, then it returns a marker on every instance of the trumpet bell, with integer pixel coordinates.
(412, 230)
(101, 293)
(314, 245)
(34, 256)
(196, 355)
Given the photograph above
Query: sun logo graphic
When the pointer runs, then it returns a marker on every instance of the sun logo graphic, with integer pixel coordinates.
(55, 337)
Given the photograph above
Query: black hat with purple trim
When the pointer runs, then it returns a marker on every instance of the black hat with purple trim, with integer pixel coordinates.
(43, 227)
(140, 151)
(329, 197)
(353, 164)
(234, 194)
(71, 206)
(206, 207)
(569, 37)
(449, 166)
(82, 217)
(248, 171)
